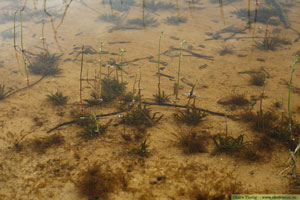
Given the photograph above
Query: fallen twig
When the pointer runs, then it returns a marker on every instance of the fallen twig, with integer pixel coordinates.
(19, 90)
(147, 103)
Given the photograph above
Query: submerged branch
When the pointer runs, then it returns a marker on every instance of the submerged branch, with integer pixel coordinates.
(19, 90)
(147, 103)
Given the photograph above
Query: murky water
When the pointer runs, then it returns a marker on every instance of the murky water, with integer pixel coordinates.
(213, 31)
(226, 42)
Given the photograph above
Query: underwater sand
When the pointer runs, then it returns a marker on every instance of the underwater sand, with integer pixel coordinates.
(54, 173)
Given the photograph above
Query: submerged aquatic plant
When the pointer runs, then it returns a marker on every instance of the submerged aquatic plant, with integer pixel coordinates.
(141, 116)
(95, 101)
(3, 93)
(261, 121)
(147, 21)
(263, 15)
(100, 69)
(161, 98)
(176, 20)
(122, 51)
(229, 144)
(235, 100)
(225, 50)
(109, 18)
(121, 6)
(142, 149)
(266, 45)
(23, 53)
(129, 97)
(92, 128)
(15, 140)
(111, 89)
(258, 79)
(192, 142)
(45, 64)
(224, 3)
(176, 85)
(290, 88)
(57, 99)
(190, 116)
(97, 182)
(151, 5)
(41, 145)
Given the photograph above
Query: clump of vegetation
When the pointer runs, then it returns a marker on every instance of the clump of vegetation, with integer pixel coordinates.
(225, 50)
(135, 135)
(161, 98)
(251, 152)
(42, 145)
(176, 20)
(92, 128)
(228, 144)
(141, 116)
(141, 150)
(263, 15)
(271, 43)
(95, 101)
(198, 194)
(235, 100)
(265, 143)
(111, 89)
(45, 64)
(192, 142)
(217, 187)
(3, 93)
(151, 5)
(80, 117)
(57, 99)
(261, 121)
(109, 18)
(121, 6)
(14, 140)
(129, 97)
(147, 21)
(89, 122)
(223, 3)
(268, 123)
(98, 182)
(190, 116)
(257, 79)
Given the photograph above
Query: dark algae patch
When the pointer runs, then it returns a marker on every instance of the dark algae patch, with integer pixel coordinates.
(192, 141)
(98, 182)
(41, 145)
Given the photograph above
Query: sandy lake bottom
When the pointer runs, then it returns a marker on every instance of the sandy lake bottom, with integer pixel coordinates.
(231, 129)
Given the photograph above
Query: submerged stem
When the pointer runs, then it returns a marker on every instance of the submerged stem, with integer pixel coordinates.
(23, 53)
(121, 64)
(81, 68)
(179, 64)
(290, 89)
(158, 63)
(100, 69)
